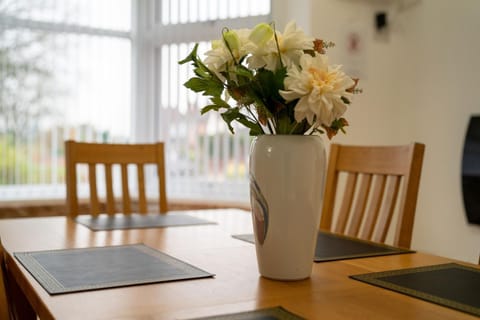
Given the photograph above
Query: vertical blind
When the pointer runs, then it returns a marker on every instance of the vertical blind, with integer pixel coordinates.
(204, 160)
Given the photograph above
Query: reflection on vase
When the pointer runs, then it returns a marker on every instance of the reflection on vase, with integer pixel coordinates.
(259, 211)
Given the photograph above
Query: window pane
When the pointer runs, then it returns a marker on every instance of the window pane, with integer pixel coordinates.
(204, 160)
(188, 11)
(58, 84)
(94, 14)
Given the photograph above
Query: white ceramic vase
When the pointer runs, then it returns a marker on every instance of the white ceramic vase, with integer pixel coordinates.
(286, 194)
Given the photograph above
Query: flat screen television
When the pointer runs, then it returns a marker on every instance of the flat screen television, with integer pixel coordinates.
(471, 171)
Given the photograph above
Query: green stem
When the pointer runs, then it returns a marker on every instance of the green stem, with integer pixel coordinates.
(213, 74)
(228, 47)
(293, 128)
(278, 47)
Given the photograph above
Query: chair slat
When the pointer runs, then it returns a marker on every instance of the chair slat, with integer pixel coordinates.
(71, 178)
(387, 209)
(330, 193)
(162, 204)
(109, 186)
(92, 182)
(127, 209)
(142, 202)
(408, 202)
(371, 215)
(346, 203)
(360, 204)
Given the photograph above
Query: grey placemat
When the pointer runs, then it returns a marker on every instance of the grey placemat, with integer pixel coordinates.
(274, 313)
(451, 285)
(137, 221)
(73, 270)
(336, 247)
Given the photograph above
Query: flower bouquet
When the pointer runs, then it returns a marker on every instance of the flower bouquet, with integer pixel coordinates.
(284, 91)
(281, 82)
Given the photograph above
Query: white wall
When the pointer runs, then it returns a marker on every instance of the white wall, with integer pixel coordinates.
(420, 81)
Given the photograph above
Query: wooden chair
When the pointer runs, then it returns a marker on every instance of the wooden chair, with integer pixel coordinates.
(13, 303)
(109, 155)
(4, 306)
(368, 185)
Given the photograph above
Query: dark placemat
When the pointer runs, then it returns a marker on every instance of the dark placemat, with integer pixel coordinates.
(275, 313)
(336, 247)
(136, 221)
(451, 285)
(73, 270)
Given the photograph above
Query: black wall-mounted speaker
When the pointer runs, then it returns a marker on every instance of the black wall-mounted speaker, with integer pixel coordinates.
(471, 171)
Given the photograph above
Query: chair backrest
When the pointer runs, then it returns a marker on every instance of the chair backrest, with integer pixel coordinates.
(108, 155)
(367, 185)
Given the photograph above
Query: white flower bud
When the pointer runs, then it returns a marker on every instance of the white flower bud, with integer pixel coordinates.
(231, 39)
(261, 34)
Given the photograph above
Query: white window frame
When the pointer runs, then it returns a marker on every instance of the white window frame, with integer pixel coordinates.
(149, 34)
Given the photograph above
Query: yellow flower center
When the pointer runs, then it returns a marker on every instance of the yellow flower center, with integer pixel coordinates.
(320, 78)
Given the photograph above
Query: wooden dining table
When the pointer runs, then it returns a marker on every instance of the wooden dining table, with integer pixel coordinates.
(236, 287)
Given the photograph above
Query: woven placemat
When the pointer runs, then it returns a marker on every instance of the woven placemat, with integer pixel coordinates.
(136, 221)
(73, 270)
(332, 247)
(274, 313)
(450, 285)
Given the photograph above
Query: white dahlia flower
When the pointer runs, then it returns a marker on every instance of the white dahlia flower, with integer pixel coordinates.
(319, 88)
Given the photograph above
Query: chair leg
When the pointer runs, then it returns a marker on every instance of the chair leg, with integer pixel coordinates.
(19, 307)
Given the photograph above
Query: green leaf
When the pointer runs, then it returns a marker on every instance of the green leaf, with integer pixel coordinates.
(280, 75)
(209, 87)
(256, 131)
(229, 116)
(210, 107)
(214, 89)
(197, 84)
(243, 72)
(267, 86)
(201, 72)
(220, 102)
(234, 114)
(192, 56)
(255, 128)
